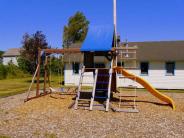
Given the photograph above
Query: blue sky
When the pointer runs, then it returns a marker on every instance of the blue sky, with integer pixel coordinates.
(138, 20)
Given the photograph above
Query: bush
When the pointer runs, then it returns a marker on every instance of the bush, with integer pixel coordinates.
(3, 72)
(11, 71)
(24, 64)
(14, 71)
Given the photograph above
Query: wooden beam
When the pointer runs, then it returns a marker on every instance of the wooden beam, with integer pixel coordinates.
(40, 95)
(124, 48)
(45, 75)
(62, 51)
(38, 73)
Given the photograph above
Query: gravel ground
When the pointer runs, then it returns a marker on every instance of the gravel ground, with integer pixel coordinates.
(50, 117)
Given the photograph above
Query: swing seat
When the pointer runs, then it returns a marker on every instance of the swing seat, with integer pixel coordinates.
(52, 89)
(56, 90)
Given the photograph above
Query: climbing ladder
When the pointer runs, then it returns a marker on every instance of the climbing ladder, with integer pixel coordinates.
(101, 87)
(127, 105)
(78, 96)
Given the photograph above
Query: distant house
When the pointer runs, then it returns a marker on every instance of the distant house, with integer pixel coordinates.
(160, 63)
(11, 55)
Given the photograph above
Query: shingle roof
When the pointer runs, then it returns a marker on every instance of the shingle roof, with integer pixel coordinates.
(12, 52)
(155, 50)
(161, 51)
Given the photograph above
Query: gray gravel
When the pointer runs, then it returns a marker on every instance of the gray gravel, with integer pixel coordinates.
(50, 117)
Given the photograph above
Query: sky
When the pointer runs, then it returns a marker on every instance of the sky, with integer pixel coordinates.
(137, 20)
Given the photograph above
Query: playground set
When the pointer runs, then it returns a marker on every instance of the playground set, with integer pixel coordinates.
(104, 79)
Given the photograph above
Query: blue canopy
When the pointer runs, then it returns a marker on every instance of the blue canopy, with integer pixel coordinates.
(99, 38)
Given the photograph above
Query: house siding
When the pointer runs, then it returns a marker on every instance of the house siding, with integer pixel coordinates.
(156, 76)
(73, 79)
(7, 60)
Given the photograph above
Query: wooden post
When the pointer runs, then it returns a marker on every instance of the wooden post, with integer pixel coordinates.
(45, 75)
(38, 73)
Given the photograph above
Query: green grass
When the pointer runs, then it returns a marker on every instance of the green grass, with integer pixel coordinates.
(2, 136)
(11, 87)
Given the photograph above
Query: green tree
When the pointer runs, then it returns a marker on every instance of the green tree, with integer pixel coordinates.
(1, 53)
(29, 52)
(1, 56)
(76, 29)
(3, 72)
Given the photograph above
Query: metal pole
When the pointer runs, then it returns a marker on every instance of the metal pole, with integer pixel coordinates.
(115, 28)
(115, 16)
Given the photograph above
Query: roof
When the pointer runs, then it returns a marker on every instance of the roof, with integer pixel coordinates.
(12, 52)
(159, 50)
(99, 38)
(156, 50)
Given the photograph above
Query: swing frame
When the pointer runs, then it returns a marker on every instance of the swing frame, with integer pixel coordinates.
(37, 76)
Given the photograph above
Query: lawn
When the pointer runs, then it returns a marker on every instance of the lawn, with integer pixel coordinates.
(16, 86)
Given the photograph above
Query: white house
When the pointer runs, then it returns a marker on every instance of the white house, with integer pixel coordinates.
(160, 63)
(11, 55)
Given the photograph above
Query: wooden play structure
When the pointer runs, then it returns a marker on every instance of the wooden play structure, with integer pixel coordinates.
(104, 79)
(104, 84)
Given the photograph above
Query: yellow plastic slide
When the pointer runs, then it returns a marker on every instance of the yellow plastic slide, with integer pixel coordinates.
(147, 86)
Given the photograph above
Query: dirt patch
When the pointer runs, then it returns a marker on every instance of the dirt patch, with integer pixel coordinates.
(50, 117)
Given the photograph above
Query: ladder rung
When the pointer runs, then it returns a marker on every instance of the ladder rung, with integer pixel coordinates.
(126, 77)
(103, 75)
(101, 89)
(122, 104)
(87, 75)
(101, 82)
(128, 110)
(100, 97)
(127, 96)
(131, 87)
(86, 83)
(84, 100)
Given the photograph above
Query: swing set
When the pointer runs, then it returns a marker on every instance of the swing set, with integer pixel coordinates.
(45, 57)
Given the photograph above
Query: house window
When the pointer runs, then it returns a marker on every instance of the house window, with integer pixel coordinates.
(144, 68)
(75, 67)
(99, 65)
(120, 64)
(170, 67)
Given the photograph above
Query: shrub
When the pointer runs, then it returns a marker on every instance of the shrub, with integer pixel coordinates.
(14, 71)
(3, 72)
(24, 64)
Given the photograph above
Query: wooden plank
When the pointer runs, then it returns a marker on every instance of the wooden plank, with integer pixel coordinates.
(40, 95)
(38, 73)
(62, 51)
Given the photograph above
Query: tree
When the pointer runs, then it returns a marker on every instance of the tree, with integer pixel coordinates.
(1, 53)
(76, 29)
(1, 56)
(29, 52)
